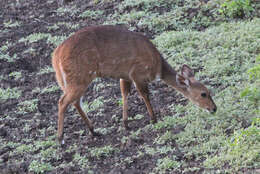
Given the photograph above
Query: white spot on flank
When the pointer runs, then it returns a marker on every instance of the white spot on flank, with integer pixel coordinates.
(146, 67)
(63, 76)
(62, 142)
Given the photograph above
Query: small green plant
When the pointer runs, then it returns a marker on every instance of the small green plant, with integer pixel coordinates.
(236, 8)
(168, 122)
(102, 151)
(135, 134)
(53, 27)
(49, 153)
(9, 93)
(31, 51)
(120, 102)
(69, 10)
(45, 70)
(91, 14)
(164, 149)
(35, 37)
(24, 148)
(45, 144)
(139, 116)
(36, 90)
(124, 139)
(28, 106)
(50, 88)
(11, 24)
(104, 131)
(129, 160)
(162, 139)
(4, 54)
(150, 150)
(16, 75)
(4, 48)
(27, 127)
(166, 164)
(81, 160)
(133, 16)
(97, 103)
(252, 92)
(68, 25)
(56, 40)
(40, 167)
(254, 73)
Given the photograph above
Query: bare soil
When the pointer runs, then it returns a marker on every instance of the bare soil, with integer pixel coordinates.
(36, 17)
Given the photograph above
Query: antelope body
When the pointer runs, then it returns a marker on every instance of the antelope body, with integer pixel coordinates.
(113, 51)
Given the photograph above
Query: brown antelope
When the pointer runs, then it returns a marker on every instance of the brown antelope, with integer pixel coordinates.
(113, 51)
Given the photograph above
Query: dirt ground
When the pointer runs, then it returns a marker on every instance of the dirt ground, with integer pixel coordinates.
(36, 17)
(37, 128)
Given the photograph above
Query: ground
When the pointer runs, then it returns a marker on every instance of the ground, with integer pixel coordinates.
(30, 31)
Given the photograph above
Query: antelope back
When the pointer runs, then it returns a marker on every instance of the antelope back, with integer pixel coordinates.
(107, 51)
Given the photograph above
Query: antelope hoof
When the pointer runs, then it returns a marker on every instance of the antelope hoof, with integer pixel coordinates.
(125, 122)
(154, 121)
(61, 140)
(95, 134)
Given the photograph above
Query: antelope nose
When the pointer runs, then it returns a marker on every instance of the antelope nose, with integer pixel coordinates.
(214, 110)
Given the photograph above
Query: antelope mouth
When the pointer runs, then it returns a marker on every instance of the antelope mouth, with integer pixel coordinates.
(212, 111)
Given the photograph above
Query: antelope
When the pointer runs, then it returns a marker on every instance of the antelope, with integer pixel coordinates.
(114, 51)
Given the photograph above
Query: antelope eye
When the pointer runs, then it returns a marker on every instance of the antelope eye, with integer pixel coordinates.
(203, 95)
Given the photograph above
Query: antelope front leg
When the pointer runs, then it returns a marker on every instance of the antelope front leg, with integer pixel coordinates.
(143, 91)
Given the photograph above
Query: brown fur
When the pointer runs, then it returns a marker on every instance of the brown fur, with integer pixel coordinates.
(113, 51)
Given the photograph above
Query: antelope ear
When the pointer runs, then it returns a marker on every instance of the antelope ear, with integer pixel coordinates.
(182, 81)
(186, 71)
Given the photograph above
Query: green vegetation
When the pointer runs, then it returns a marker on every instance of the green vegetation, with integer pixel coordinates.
(5, 55)
(241, 150)
(237, 8)
(28, 106)
(56, 40)
(97, 103)
(81, 160)
(10, 24)
(16, 75)
(252, 91)
(105, 151)
(35, 37)
(46, 70)
(179, 15)
(9, 93)
(40, 167)
(221, 53)
(51, 88)
(91, 14)
(220, 39)
(167, 164)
